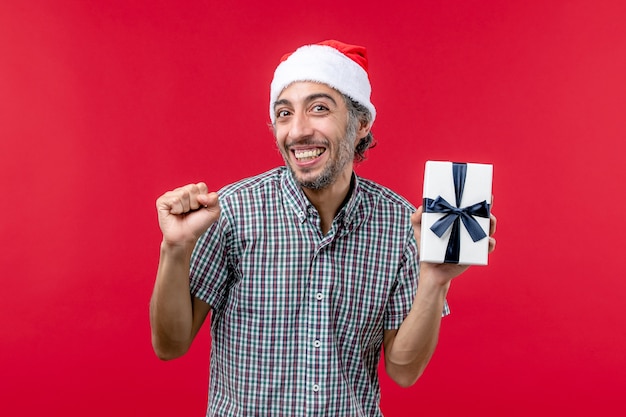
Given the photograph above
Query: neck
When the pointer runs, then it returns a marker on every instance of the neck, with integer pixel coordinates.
(329, 200)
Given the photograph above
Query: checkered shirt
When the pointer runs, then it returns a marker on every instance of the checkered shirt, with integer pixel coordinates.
(298, 317)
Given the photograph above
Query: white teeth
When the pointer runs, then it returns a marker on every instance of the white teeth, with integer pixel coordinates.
(308, 154)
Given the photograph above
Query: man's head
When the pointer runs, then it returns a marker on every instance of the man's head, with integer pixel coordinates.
(316, 135)
(339, 66)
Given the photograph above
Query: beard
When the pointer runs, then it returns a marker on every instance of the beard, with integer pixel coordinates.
(334, 167)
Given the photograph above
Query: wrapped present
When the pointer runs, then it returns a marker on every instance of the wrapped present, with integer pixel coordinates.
(455, 222)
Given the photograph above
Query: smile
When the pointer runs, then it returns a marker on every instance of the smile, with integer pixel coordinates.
(303, 155)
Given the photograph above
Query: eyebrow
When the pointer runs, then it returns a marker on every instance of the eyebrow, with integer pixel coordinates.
(308, 99)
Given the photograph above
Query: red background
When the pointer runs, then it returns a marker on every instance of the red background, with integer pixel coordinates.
(104, 105)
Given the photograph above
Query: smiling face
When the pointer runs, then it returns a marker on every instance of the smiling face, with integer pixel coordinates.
(313, 135)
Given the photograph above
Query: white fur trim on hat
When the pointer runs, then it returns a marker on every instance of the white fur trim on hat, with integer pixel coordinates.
(323, 64)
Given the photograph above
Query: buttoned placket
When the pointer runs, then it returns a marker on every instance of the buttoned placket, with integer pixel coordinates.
(314, 325)
(317, 312)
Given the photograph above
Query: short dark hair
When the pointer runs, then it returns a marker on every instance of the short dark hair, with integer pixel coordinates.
(359, 115)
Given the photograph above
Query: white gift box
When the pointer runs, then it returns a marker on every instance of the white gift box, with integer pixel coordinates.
(456, 231)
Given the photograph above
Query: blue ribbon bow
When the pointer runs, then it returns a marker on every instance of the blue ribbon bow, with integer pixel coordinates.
(455, 215)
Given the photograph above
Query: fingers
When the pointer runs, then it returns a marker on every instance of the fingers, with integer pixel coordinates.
(492, 229)
(492, 224)
(492, 244)
(185, 199)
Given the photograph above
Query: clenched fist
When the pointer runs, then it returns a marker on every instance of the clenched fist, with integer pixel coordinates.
(186, 213)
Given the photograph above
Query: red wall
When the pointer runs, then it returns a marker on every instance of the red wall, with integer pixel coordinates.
(106, 104)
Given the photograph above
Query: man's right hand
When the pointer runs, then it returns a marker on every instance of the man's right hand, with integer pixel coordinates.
(186, 213)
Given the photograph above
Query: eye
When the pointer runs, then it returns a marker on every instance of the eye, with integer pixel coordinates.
(282, 113)
(318, 108)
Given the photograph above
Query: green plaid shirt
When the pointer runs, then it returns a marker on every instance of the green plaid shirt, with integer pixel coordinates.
(298, 317)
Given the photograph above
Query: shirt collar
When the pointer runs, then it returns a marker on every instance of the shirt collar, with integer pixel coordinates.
(294, 196)
(303, 208)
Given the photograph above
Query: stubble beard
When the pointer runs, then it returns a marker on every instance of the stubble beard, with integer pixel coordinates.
(332, 170)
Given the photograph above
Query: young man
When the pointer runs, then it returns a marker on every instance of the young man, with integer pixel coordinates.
(308, 269)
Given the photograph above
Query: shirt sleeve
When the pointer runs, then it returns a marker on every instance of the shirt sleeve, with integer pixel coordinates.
(403, 294)
(209, 272)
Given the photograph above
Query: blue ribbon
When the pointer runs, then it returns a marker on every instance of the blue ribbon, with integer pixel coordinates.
(455, 215)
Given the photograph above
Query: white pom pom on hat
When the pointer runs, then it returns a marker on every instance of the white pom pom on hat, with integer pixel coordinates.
(336, 64)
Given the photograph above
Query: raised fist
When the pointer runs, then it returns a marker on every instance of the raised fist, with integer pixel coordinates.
(186, 213)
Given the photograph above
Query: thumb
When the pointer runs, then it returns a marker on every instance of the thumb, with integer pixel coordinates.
(416, 222)
(208, 200)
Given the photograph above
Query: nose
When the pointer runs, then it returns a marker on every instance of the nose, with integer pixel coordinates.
(300, 126)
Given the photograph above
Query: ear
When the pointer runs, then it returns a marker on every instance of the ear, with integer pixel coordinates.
(364, 129)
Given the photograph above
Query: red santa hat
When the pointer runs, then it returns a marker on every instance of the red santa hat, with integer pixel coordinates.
(336, 64)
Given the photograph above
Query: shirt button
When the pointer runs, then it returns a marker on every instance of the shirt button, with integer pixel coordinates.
(317, 343)
(316, 388)
(319, 296)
